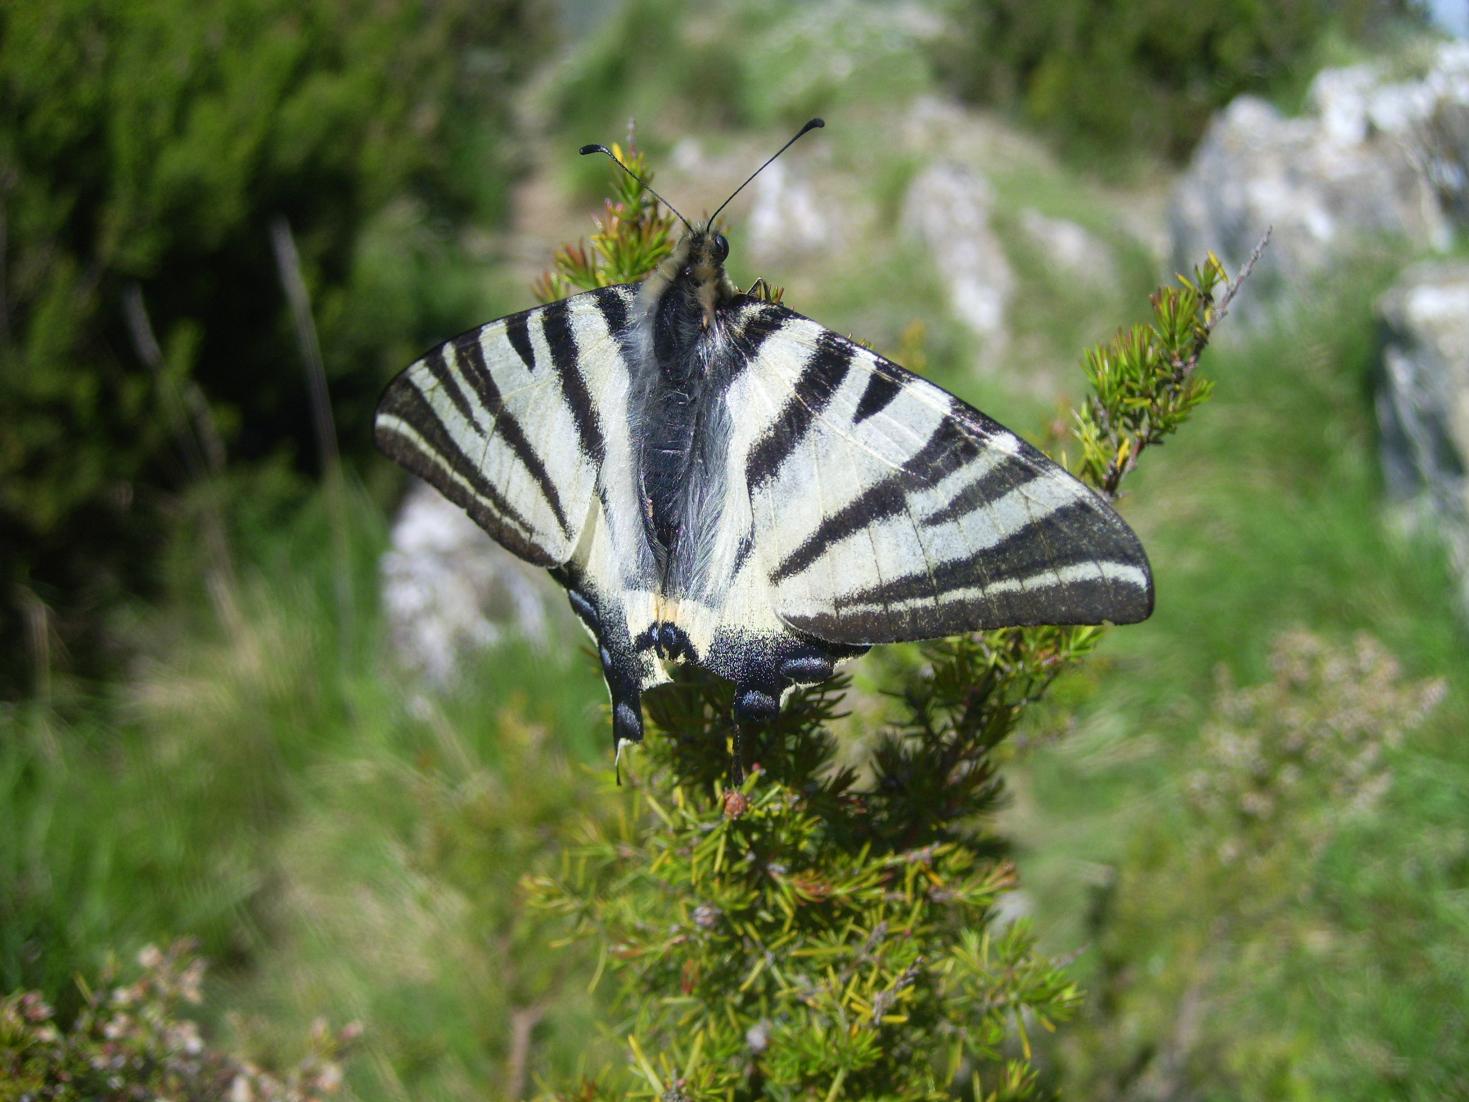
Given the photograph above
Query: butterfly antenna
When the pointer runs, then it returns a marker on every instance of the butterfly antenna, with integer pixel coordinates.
(814, 124)
(603, 149)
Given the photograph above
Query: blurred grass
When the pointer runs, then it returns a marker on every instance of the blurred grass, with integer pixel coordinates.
(262, 784)
(765, 65)
(1266, 516)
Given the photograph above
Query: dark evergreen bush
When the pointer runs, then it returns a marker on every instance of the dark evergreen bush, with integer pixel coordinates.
(145, 151)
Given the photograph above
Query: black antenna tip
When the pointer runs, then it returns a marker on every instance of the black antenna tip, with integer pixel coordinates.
(595, 149)
(814, 124)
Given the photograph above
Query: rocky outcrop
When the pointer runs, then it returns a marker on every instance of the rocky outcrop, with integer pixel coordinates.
(1423, 405)
(449, 590)
(1069, 248)
(1371, 157)
(947, 209)
(787, 216)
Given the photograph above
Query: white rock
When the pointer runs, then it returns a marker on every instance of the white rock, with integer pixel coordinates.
(947, 209)
(1075, 250)
(1369, 158)
(1338, 98)
(449, 590)
(1423, 404)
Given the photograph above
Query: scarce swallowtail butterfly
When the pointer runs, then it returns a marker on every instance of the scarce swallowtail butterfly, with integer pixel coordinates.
(720, 481)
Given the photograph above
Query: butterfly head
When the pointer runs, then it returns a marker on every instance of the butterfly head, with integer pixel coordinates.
(699, 255)
(694, 272)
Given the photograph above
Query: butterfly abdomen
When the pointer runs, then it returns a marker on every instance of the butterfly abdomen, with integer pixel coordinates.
(677, 409)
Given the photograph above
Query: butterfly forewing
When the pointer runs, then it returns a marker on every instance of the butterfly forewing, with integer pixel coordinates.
(509, 420)
(885, 509)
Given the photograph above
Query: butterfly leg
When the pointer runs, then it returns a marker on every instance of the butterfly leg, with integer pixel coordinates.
(759, 690)
(621, 670)
(756, 703)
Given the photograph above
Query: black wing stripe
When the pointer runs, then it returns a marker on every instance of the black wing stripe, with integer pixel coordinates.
(819, 380)
(471, 355)
(556, 325)
(742, 553)
(410, 405)
(1003, 478)
(940, 454)
(438, 367)
(517, 330)
(1031, 551)
(760, 324)
(613, 306)
(886, 499)
(1084, 600)
(880, 391)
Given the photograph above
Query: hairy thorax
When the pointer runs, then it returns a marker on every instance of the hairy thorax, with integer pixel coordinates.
(680, 409)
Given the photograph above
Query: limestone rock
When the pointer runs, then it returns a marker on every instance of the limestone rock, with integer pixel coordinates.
(947, 209)
(1071, 248)
(1370, 157)
(449, 590)
(1423, 404)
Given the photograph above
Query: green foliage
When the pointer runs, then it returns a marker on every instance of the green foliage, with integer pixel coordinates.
(829, 929)
(145, 150)
(333, 842)
(764, 64)
(405, 859)
(1266, 517)
(633, 234)
(130, 1041)
(1118, 76)
(1318, 736)
(121, 828)
(1284, 770)
(807, 935)
(1143, 382)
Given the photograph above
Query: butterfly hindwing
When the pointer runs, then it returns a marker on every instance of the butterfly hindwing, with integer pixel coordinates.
(885, 509)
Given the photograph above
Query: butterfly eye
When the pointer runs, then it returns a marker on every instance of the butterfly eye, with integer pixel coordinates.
(721, 248)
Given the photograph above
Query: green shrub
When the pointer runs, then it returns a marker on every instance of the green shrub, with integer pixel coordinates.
(833, 928)
(1111, 77)
(130, 1041)
(1233, 960)
(145, 151)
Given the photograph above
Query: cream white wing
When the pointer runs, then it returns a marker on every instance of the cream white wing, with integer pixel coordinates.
(885, 509)
(511, 421)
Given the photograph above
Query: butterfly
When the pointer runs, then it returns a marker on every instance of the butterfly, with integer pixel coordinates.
(720, 481)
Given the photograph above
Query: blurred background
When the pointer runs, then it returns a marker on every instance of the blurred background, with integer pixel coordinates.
(256, 696)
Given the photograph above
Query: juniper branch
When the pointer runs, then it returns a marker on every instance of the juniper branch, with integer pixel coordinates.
(828, 930)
